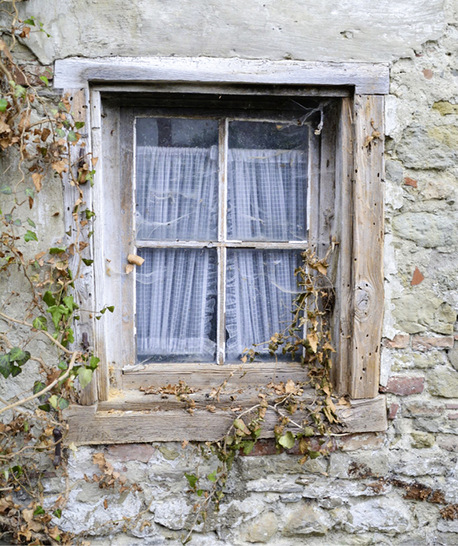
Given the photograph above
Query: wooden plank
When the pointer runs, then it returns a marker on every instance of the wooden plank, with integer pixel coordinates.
(367, 281)
(341, 372)
(212, 375)
(121, 427)
(232, 397)
(84, 291)
(76, 72)
(232, 89)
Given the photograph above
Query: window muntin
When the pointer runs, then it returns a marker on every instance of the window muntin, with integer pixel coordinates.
(205, 188)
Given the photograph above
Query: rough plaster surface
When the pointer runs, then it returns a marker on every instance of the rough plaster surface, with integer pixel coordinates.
(272, 499)
(352, 30)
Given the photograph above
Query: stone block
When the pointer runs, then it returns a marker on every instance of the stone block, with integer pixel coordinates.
(421, 408)
(130, 452)
(426, 343)
(419, 463)
(262, 529)
(453, 357)
(424, 311)
(422, 440)
(307, 520)
(172, 513)
(443, 382)
(364, 464)
(386, 515)
(404, 385)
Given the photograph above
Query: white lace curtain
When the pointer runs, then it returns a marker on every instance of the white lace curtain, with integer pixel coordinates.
(177, 199)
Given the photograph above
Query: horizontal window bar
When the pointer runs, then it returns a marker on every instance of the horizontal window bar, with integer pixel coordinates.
(279, 245)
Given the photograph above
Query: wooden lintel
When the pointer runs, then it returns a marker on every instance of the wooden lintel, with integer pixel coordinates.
(77, 72)
(123, 427)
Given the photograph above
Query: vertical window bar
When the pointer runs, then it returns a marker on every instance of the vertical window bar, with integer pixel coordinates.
(222, 237)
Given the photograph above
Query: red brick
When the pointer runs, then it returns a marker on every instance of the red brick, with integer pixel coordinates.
(410, 182)
(392, 411)
(404, 385)
(451, 406)
(425, 343)
(400, 341)
(453, 415)
(428, 73)
(417, 277)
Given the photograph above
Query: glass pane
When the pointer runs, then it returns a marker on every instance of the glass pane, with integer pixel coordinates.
(176, 179)
(267, 181)
(261, 287)
(176, 305)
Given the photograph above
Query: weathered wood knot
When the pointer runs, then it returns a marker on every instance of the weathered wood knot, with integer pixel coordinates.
(364, 296)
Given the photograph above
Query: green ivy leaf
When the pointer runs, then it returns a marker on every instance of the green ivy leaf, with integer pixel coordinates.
(31, 223)
(38, 386)
(314, 454)
(30, 21)
(93, 362)
(5, 365)
(45, 407)
(3, 105)
(38, 511)
(69, 302)
(89, 214)
(45, 80)
(86, 261)
(48, 298)
(72, 136)
(79, 124)
(212, 477)
(30, 236)
(16, 354)
(84, 377)
(40, 323)
(63, 403)
(192, 480)
(57, 250)
(15, 370)
(30, 193)
(287, 440)
(53, 400)
(248, 447)
(57, 513)
(62, 365)
(6, 190)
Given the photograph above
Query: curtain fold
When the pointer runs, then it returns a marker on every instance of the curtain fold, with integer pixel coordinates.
(177, 199)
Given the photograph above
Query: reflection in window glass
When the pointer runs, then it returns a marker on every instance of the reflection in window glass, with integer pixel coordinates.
(176, 305)
(260, 290)
(267, 182)
(177, 179)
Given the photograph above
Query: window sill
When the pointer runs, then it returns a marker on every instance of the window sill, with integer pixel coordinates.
(129, 415)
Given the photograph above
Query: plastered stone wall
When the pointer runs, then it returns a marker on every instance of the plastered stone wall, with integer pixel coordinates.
(393, 488)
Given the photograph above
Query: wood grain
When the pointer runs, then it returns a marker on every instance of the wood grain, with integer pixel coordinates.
(120, 427)
(367, 252)
(366, 78)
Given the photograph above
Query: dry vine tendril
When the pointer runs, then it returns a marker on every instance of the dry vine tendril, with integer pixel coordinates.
(305, 411)
(38, 139)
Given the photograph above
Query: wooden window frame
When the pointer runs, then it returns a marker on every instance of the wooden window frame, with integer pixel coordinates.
(355, 149)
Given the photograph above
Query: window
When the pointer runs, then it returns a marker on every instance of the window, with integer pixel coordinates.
(218, 182)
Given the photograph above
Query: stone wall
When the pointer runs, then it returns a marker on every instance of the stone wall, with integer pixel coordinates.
(397, 487)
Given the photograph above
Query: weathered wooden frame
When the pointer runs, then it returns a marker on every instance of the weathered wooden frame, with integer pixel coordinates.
(355, 210)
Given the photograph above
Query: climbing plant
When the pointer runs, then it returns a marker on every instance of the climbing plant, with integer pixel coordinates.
(37, 136)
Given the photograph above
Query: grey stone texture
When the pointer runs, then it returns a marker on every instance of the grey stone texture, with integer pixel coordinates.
(355, 496)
